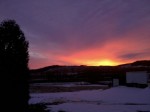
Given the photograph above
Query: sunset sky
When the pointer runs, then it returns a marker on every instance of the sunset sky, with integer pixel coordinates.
(82, 32)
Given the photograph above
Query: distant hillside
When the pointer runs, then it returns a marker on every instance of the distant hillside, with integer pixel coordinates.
(44, 68)
(137, 63)
(141, 63)
(58, 73)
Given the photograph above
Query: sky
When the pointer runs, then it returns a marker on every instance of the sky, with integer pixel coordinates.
(82, 32)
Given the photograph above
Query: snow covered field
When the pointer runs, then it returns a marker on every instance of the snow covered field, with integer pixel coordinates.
(116, 99)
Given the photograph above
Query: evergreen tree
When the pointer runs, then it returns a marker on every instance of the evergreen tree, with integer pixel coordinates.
(13, 67)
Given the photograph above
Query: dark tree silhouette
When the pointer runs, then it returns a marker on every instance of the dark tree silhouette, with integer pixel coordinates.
(13, 67)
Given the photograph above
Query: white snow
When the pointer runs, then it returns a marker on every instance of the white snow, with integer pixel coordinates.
(71, 107)
(116, 99)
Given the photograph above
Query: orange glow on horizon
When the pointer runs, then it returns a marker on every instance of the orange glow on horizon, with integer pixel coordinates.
(93, 62)
(105, 63)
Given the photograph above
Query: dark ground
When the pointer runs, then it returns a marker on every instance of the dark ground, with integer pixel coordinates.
(52, 89)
